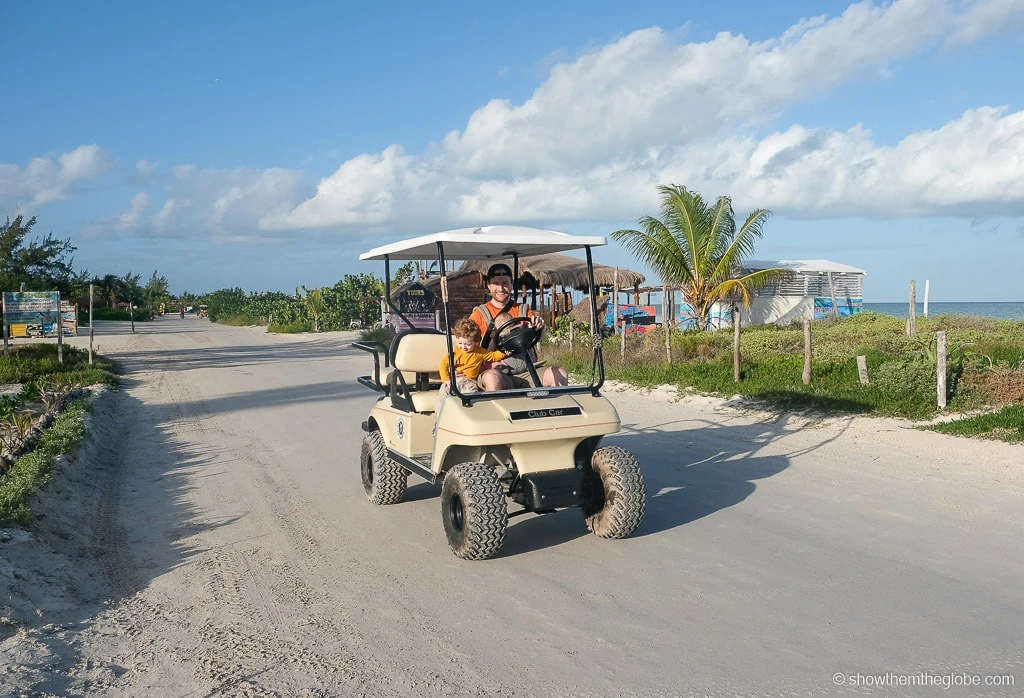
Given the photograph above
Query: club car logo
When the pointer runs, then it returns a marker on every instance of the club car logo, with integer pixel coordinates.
(549, 412)
(401, 428)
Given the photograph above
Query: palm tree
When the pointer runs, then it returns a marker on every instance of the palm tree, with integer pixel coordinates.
(698, 247)
(314, 300)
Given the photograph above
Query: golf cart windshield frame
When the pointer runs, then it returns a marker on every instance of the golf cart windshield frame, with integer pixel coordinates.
(468, 399)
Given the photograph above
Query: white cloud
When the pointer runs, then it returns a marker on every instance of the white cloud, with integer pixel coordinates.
(596, 137)
(983, 18)
(145, 168)
(130, 218)
(216, 203)
(49, 178)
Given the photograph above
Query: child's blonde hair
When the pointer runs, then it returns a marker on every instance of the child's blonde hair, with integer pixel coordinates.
(466, 329)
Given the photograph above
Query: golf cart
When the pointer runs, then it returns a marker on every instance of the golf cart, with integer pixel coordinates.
(538, 446)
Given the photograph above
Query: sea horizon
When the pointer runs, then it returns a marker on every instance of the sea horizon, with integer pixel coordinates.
(997, 310)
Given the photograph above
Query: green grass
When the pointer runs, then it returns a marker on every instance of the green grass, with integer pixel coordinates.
(289, 327)
(237, 321)
(986, 364)
(29, 362)
(1007, 425)
(33, 470)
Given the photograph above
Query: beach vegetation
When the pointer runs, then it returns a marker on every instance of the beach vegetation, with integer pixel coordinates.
(696, 245)
(985, 364)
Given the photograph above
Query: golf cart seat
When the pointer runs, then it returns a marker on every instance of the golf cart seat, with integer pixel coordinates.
(415, 358)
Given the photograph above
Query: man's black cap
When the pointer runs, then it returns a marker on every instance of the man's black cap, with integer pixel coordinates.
(498, 270)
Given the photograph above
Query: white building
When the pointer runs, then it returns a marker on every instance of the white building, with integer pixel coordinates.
(814, 289)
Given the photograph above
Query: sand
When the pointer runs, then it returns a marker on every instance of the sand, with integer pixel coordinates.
(212, 538)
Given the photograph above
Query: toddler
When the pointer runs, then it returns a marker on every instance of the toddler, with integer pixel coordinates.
(470, 359)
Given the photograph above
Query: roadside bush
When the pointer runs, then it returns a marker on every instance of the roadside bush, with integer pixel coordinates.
(120, 314)
(907, 387)
(33, 470)
(290, 327)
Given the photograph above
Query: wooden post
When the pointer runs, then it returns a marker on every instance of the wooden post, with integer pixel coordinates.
(7, 332)
(862, 369)
(665, 323)
(912, 316)
(60, 333)
(615, 300)
(807, 352)
(927, 283)
(572, 327)
(735, 344)
(940, 367)
(832, 292)
(90, 325)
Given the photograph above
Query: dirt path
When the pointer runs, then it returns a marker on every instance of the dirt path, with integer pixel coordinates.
(213, 539)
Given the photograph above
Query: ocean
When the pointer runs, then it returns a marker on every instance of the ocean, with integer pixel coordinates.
(999, 311)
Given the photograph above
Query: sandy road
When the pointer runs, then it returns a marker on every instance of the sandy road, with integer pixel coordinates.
(214, 539)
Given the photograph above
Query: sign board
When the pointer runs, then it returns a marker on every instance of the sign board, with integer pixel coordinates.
(31, 307)
(69, 318)
(423, 321)
(844, 307)
(416, 299)
(632, 319)
(35, 314)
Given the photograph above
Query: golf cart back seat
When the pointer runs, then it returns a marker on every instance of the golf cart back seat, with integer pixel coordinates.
(416, 357)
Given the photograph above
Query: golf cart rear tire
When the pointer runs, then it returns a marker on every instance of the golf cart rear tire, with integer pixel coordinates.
(384, 480)
(474, 511)
(613, 495)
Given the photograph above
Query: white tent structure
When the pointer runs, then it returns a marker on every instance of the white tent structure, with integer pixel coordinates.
(814, 289)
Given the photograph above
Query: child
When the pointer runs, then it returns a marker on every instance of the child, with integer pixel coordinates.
(470, 359)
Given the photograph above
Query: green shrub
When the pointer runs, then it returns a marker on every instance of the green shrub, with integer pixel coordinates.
(1006, 424)
(290, 327)
(120, 314)
(32, 471)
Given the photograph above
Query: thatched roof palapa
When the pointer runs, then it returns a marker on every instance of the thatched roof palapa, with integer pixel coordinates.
(561, 270)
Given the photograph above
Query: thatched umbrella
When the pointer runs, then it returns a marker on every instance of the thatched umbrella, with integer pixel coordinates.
(581, 311)
(547, 270)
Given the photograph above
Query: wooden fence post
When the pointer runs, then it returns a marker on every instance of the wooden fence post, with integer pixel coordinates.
(940, 367)
(665, 323)
(807, 352)
(60, 333)
(927, 283)
(735, 344)
(912, 316)
(862, 369)
(90, 325)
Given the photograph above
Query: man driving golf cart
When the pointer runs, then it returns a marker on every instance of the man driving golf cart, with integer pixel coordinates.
(537, 445)
(499, 286)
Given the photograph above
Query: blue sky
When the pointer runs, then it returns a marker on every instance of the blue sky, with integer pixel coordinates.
(265, 144)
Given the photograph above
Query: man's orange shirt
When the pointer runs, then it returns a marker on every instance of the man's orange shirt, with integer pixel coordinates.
(481, 320)
(470, 363)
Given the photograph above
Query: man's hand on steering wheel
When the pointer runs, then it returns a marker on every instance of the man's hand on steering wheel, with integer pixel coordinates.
(524, 335)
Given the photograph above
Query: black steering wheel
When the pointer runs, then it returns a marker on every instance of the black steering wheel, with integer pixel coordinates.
(520, 339)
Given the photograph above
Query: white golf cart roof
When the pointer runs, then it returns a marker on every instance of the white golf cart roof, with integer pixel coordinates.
(488, 242)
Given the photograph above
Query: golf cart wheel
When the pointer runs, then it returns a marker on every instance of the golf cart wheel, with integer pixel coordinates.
(383, 479)
(613, 496)
(474, 511)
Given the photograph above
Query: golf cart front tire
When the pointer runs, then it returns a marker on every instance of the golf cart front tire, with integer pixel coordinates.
(474, 511)
(613, 495)
(384, 480)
